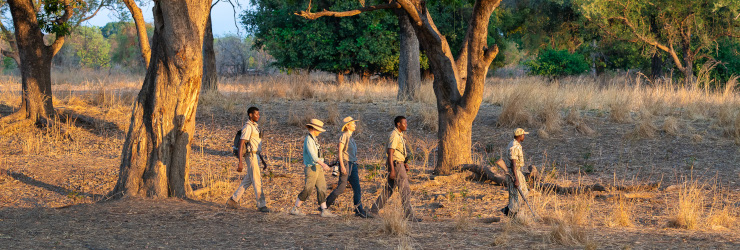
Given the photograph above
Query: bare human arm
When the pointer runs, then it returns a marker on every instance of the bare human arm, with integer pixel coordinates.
(390, 164)
(240, 167)
(513, 172)
(341, 158)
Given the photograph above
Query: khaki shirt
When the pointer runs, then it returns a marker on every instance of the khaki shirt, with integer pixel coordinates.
(516, 153)
(398, 144)
(251, 134)
(349, 148)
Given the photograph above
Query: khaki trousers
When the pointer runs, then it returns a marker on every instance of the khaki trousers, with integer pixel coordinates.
(314, 179)
(402, 182)
(252, 177)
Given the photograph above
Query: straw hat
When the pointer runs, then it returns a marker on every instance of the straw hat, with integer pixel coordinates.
(520, 131)
(347, 120)
(316, 124)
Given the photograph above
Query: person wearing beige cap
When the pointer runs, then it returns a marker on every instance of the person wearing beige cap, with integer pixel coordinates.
(314, 170)
(348, 168)
(515, 179)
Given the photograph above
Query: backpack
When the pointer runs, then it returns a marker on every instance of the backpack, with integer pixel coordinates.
(235, 144)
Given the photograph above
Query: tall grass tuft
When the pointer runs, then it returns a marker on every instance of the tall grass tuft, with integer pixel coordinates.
(515, 113)
(621, 214)
(687, 211)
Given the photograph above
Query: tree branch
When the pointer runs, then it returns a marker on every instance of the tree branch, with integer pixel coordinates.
(670, 50)
(100, 6)
(308, 15)
(140, 30)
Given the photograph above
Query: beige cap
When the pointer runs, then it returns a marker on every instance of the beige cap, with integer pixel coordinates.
(347, 120)
(316, 124)
(520, 131)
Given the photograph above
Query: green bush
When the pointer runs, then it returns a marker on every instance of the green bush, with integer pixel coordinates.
(556, 63)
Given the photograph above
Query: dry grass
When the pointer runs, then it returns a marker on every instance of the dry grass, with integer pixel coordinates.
(688, 210)
(670, 126)
(621, 214)
(332, 114)
(645, 128)
(515, 113)
(394, 219)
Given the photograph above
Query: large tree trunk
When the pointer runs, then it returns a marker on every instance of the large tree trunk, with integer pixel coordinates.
(154, 159)
(455, 141)
(409, 75)
(35, 64)
(210, 77)
(456, 111)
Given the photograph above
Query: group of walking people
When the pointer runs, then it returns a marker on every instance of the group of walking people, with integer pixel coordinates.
(315, 168)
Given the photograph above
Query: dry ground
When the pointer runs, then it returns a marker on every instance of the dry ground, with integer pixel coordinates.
(51, 187)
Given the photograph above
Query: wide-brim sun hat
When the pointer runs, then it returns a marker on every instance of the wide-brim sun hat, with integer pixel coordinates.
(316, 124)
(347, 120)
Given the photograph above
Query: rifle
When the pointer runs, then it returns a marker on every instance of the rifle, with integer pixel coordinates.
(500, 163)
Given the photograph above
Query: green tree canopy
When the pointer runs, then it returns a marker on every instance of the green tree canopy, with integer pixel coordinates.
(363, 43)
(684, 30)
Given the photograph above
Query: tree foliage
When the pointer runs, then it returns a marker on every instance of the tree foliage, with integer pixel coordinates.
(364, 43)
(556, 63)
(682, 29)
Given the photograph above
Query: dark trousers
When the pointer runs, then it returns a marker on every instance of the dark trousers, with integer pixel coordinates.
(353, 177)
(402, 182)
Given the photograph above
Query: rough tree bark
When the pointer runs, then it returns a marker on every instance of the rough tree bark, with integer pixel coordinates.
(35, 62)
(409, 75)
(146, 52)
(154, 159)
(456, 110)
(210, 77)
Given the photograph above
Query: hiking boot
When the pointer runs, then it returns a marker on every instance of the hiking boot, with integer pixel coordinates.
(230, 203)
(264, 209)
(327, 214)
(296, 211)
(364, 215)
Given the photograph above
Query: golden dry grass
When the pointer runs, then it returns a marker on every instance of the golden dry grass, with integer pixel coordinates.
(621, 214)
(393, 217)
(671, 126)
(688, 210)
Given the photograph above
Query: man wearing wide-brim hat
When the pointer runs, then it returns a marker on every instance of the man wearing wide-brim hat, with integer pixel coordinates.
(515, 179)
(314, 170)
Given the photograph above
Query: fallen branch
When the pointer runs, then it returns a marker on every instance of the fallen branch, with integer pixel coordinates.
(486, 173)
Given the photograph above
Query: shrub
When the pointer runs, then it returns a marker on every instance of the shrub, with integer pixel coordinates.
(556, 63)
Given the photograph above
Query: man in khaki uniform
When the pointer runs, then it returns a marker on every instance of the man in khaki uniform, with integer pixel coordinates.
(253, 142)
(397, 171)
(515, 179)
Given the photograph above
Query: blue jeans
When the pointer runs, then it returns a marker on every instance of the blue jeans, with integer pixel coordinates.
(354, 180)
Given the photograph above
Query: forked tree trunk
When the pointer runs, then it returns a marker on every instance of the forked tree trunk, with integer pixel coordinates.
(409, 75)
(154, 159)
(451, 77)
(456, 111)
(210, 77)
